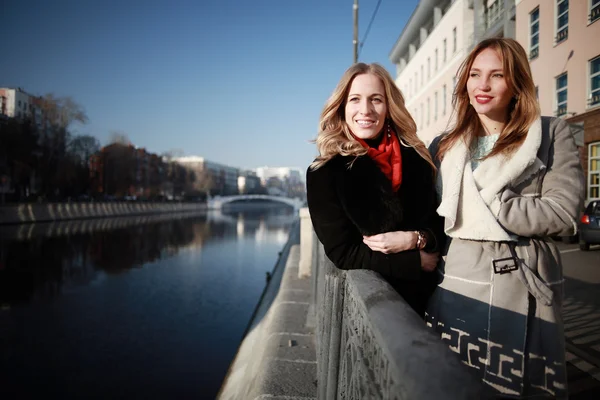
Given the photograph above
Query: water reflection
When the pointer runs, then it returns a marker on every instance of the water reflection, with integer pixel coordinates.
(37, 260)
(121, 308)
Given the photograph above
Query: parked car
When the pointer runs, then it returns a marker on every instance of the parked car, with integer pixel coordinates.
(589, 226)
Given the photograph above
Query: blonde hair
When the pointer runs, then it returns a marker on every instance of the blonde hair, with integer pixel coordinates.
(334, 134)
(523, 109)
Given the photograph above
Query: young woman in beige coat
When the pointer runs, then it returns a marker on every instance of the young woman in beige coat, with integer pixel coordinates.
(509, 179)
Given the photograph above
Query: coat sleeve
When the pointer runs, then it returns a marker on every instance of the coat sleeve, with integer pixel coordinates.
(556, 210)
(434, 224)
(342, 241)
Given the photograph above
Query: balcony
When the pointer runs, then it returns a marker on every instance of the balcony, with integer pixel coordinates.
(594, 13)
(562, 35)
(533, 53)
(561, 110)
(594, 100)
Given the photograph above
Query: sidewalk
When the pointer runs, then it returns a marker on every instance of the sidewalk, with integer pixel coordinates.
(277, 359)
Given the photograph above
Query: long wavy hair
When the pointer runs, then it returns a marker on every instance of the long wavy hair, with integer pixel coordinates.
(334, 134)
(523, 109)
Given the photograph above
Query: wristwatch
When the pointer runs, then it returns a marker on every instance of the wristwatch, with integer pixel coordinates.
(421, 240)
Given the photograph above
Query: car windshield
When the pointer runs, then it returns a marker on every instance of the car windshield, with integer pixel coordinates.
(593, 208)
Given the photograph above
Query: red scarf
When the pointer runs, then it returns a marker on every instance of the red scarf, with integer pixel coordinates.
(387, 156)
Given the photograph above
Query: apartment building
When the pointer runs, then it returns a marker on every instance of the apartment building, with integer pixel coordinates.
(16, 103)
(561, 38)
(494, 18)
(434, 42)
(224, 179)
(249, 183)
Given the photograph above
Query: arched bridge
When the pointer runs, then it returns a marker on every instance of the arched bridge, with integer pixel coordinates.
(216, 203)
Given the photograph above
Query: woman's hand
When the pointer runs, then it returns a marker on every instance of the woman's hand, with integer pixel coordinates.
(429, 260)
(391, 242)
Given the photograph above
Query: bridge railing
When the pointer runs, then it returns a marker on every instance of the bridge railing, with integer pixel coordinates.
(370, 343)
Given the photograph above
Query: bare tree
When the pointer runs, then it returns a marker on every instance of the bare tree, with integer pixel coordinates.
(119, 137)
(82, 147)
(61, 112)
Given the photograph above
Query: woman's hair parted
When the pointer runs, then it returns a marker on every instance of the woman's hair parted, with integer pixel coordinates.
(334, 135)
(523, 108)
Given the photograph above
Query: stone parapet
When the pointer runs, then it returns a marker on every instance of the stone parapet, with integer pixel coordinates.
(45, 212)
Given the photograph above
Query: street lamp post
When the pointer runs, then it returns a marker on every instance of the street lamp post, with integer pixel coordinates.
(355, 41)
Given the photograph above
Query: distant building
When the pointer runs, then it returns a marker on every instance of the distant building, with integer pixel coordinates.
(283, 173)
(125, 170)
(560, 37)
(249, 183)
(223, 178)
(282, 181)
(432, 45)
(16, 103)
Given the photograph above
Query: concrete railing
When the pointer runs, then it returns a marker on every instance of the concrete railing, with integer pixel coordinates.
(370, 343)
(34, 212)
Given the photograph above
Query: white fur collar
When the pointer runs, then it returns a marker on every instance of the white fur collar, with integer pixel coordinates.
(470, 199)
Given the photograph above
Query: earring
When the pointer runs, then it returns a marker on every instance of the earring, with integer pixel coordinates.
(389, 129)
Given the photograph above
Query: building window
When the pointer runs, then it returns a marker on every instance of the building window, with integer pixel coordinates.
(561, 94)
(422, 75)
(19, 102)
(428, 67)
(537, 93)
(562, 20)
(415, 83)
(594, 171)
(534, 29)
(594, 98)
(435, 106)
(436, 60)
(594, 10)
(422, 116)
(444, 100)
(446, 48)
(454, 40)
(428, 110)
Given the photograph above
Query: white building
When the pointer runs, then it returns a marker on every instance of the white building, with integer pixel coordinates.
(224, 178)
(289, 174)
(249, 183)
(434, 42)
(16, 103)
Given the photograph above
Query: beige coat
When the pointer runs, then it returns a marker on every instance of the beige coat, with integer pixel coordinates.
(508, 327)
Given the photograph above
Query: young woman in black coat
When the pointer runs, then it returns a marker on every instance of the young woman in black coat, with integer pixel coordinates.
(371, 190)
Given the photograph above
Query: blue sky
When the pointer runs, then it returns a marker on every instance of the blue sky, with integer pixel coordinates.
(241, 82)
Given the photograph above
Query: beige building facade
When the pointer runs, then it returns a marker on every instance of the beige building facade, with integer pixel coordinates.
(561, 38)
(427, 55)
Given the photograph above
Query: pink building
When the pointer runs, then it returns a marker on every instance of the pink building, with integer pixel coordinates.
(561, 37)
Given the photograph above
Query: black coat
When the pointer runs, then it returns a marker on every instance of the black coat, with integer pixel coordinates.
(347, 203)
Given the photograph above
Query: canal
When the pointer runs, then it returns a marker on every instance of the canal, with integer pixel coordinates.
(134, 307)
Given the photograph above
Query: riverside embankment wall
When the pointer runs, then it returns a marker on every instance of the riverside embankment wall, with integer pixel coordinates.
(45, 212)
(324, 333)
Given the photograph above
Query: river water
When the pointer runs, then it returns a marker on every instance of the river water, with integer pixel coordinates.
(136, 307)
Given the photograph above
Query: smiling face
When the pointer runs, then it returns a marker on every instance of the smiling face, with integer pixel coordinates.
(488, 91)
(366, 107)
